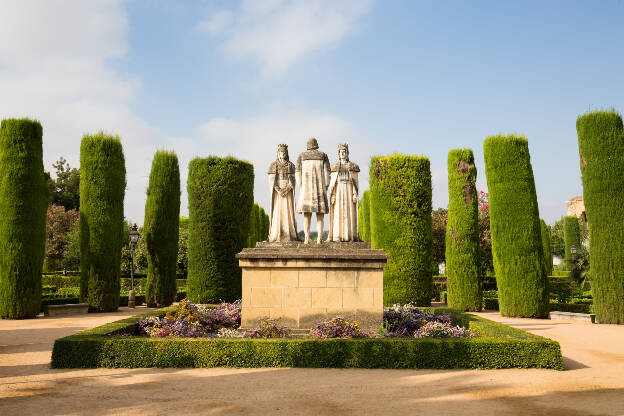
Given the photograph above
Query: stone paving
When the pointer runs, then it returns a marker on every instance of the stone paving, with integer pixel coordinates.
(593, 383)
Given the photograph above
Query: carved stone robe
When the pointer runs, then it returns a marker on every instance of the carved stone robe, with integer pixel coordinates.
(313, 178)
(343, 212)
(283, 226)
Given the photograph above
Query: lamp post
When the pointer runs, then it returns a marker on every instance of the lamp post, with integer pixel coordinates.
(134, 238)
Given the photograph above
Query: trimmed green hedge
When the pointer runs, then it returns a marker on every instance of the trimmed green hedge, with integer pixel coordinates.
(547, 248)
(571, 307)
(462, 233)
(161, 229)
(220, 192)
(601, 149)
(501, 347)
(401, 224)
(571, 238)
(23, 205)
(515, 226)
(102, 189)
(364, 217)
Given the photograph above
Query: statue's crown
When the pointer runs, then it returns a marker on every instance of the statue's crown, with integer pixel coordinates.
(344, 146)
(282, 147)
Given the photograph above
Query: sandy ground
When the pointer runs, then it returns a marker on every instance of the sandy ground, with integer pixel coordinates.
(593, 383)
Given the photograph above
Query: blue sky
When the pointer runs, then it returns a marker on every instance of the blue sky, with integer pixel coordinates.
(230, 77)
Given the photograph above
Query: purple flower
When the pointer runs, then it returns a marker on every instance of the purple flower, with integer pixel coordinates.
(337, 328)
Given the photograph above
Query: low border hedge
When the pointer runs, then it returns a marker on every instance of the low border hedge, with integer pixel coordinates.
(501, 347)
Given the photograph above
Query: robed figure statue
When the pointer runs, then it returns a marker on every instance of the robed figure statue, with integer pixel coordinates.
(313, 179)
(282, 182)
(343, 195)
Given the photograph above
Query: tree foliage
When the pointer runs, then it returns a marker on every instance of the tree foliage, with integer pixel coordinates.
(65, 188)
(515, 226)
(572, 240)
(220, 192)
(161, 229)
(548, 257)
(364, 217)
(400, 212)
(23, 202)
(601, 150)
(59, 222)
(102, 189)
(462, 233)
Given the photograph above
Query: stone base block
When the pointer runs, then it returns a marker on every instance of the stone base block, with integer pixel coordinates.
(573, 316)
(68, 309)
(306, 284)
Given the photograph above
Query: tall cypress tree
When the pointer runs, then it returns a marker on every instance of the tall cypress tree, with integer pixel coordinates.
(515, 227)
(252, 237)
(547, 247)
(571, 239)
(162, 228)
(220, 192)
(364, 217)
(400, 215)
(601, 149)
(23, 204)
(462, 233)
(261, 225)
(102, 189)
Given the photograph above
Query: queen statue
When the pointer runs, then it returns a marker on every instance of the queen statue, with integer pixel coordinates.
(343, 196)
(282, 182)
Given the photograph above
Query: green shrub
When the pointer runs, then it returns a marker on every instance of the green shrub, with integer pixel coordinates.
(546, 247)
(161, 229)
(571, 307)
(252, 237)
(515, 226)
(462, 233)
(601, 149)
(220, 192)
(559, 289)
(572, 239)
(490, 304)
(102, 188)
(500, 347)
(400, 222)
(364, 217)
(23, 205)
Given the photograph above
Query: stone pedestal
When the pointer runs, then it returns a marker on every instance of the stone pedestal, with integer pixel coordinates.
(305, 284)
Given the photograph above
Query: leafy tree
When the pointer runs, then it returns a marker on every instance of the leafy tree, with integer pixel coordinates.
(59, 222)
(65, 189)
(71, 258)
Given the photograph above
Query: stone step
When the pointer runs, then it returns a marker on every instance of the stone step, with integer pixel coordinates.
(67, 309)
(573, 316)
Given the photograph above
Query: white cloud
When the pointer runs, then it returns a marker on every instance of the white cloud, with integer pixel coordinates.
(55, 67)
(278, 33)
(256, 140)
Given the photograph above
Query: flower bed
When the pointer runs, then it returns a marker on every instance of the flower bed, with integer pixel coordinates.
(498, 346)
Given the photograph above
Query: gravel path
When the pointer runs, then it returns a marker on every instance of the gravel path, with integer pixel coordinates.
(592, 385)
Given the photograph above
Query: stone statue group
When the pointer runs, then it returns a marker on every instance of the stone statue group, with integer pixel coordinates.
(323, 189)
